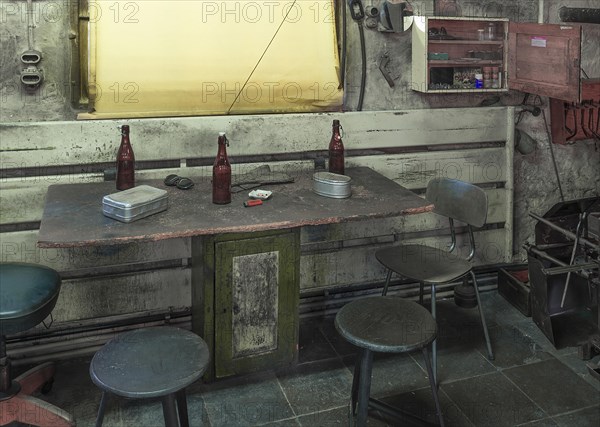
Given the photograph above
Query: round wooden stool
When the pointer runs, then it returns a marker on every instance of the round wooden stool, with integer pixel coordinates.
(157, 362)
(386, 325)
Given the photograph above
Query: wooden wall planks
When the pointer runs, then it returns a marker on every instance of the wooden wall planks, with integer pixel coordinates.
(409, 147)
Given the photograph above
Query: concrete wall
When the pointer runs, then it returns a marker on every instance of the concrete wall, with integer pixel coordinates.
(535, 182)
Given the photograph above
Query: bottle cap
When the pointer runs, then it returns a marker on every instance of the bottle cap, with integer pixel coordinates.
(478, 76)
(221, 133)
(336, 122)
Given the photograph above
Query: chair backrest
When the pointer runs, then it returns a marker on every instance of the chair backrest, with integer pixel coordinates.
(458, 200)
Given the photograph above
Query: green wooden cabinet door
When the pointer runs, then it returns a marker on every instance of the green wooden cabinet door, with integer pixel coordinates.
(256, 303)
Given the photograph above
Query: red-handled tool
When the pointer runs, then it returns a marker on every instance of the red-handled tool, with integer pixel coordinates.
(254, 202)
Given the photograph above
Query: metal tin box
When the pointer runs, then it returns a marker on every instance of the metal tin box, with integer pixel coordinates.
(332, 185)
(135, 203)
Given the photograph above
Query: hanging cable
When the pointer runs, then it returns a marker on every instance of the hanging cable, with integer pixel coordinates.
(549, 137)
(30, 24)
(344, 36)
(358, 15)
(263, 55)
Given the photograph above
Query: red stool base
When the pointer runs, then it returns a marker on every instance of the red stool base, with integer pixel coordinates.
(27, 409)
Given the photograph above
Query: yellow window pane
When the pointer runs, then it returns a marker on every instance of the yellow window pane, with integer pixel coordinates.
(196, 57)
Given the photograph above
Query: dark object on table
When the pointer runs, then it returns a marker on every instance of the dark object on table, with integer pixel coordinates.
(456, 200)
(262, 175)
(388, 325)
(28, 293)
(180, 182)
(158, 362)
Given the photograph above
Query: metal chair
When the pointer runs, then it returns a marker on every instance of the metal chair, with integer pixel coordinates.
(456, 200)
(388, 325)
(28, 293)
(158, 362)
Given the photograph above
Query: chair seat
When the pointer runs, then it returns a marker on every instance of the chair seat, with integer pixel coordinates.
(423, 263)
(386, 324)
(28, 293)
(150, 362)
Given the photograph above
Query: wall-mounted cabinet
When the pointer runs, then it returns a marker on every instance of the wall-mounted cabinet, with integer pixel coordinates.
(456, 55)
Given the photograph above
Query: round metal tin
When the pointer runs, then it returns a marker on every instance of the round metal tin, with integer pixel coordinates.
(332, 185)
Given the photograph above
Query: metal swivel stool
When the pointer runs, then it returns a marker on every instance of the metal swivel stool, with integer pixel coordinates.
(388, 325)
(28, 293)
(456, 200)
(158, 362)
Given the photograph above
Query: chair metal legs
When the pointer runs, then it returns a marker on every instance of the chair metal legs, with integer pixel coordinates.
(433, 385)
(433, 313)
(485, 329)
(434, 344)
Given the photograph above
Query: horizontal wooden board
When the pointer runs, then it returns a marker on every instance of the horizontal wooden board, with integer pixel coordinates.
(29, 145)
(108, 296)
(408, 224)
(415, 170)
(22, 199)
(21, 246)
(359, 265)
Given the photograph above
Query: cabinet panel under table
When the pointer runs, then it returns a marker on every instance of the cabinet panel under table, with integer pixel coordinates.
(256, 302)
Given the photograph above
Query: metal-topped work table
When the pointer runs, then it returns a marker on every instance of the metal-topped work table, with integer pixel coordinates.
(245, 261)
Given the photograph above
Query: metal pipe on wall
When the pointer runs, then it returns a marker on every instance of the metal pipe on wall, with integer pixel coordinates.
(579, 14)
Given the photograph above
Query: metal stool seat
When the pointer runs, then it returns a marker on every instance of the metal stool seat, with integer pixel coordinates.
(386, 325)
(28, 293)
(157, 362)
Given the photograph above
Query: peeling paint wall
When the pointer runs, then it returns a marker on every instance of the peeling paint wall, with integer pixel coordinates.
(535, 182)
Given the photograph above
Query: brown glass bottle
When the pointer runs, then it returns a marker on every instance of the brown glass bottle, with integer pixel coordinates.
(125, 162)
(221, 181)
(336, 150)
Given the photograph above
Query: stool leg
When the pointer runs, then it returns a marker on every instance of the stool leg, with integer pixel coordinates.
(182, 409)
(485, 329)
(434, 344)
(387, 283)
(101, 409)
(433, 385)
(421, 291)
(170, 411)
(355, 381)
(364, 387)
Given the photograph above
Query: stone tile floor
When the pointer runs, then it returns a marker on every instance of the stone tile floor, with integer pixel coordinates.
(529, 383)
